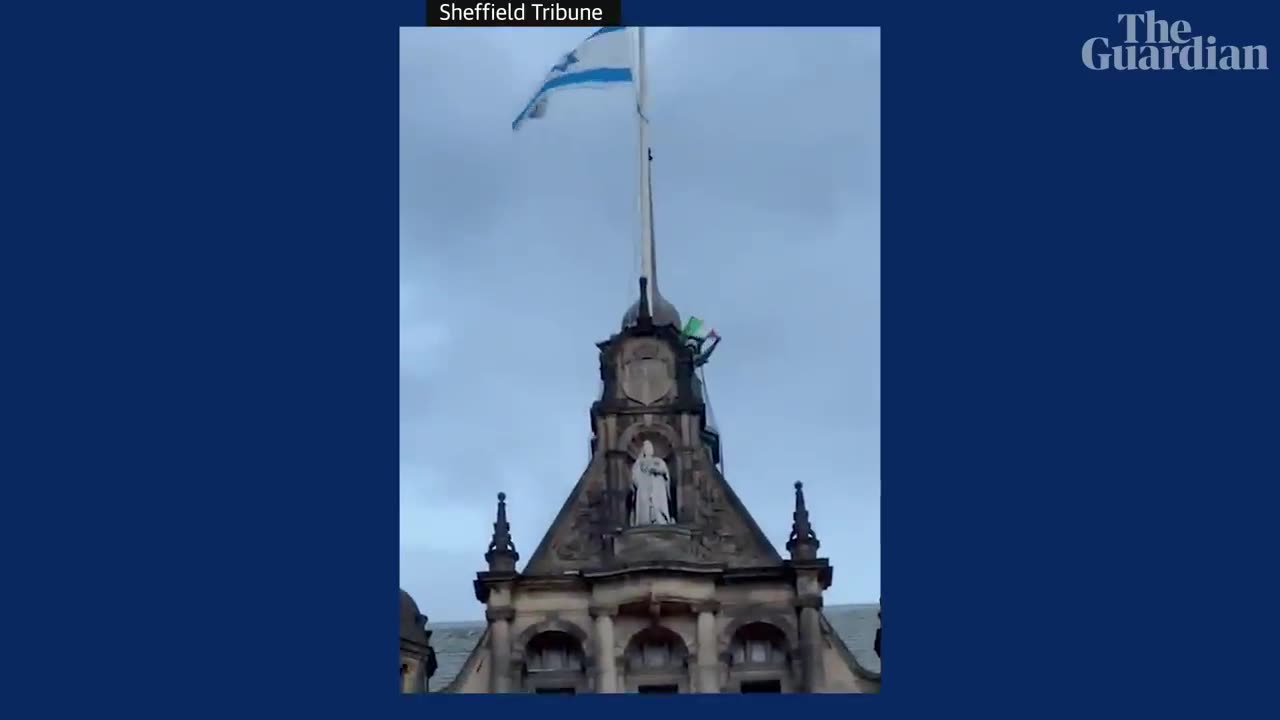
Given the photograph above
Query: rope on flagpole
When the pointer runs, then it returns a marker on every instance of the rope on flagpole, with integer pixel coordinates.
(711, 413)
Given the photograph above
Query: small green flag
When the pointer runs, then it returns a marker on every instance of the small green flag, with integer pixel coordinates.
(698, 330)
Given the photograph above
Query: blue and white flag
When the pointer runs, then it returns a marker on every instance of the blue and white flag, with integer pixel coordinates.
(601, 60)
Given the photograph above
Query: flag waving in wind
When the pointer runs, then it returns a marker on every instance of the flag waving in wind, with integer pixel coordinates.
(698, 330)
(601, 60)
(696, 333)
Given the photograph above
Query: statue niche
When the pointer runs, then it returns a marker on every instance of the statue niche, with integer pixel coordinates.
(652, 533)
(652, 497)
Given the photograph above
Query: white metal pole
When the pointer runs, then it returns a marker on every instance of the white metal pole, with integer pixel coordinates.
(648, 264)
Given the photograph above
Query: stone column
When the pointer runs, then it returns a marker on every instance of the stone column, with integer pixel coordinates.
(606, 665)
(406, 675)
(811, 642)
(417, 683)
(500, 648)
(708, 658)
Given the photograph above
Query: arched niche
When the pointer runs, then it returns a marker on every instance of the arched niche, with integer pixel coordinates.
(784, 622)
(553, 661)
(758, 644)
(554, 624)
(760, 655)
(666, 445)
(656, 660)
(664, 438)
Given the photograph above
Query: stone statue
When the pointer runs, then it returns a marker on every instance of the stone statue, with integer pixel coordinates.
(652, 486)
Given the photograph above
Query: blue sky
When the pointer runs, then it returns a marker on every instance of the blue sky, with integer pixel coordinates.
(517, 255)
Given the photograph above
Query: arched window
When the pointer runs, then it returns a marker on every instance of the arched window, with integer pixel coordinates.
(553, 652)
(758, 644)
(656, 649)
(554, 663)
(758, 658)
(657, 661)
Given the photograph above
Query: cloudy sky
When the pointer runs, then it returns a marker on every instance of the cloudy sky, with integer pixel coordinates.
(517, 255)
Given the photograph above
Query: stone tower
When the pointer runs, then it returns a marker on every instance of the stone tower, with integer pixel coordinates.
(653, 577)
(417, 658)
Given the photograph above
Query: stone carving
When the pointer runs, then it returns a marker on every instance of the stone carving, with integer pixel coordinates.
(712, 526)
(584, 540)
(661, 543)
(716, 537)
(724, 534)
(647, 376)
(651, 483)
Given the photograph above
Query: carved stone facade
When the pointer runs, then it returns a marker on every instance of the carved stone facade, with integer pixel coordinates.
(649, 397)
(705, 604)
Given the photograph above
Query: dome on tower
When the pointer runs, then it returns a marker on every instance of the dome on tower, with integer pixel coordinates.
(664, 313)
(412, 622)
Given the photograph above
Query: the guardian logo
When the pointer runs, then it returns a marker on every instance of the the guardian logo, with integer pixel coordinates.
(1151, 44)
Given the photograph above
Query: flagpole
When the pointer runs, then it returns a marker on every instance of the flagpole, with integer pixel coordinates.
(648, 262)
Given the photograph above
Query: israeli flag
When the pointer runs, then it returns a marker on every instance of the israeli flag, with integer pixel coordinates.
(602, 60)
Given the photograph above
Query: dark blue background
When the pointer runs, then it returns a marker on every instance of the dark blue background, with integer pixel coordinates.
(199, 283)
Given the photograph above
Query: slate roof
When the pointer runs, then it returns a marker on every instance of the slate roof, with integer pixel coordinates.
(855, 624)
(453, 643)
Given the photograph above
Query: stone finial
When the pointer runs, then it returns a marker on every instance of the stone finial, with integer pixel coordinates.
(502, 555)
(803, 544)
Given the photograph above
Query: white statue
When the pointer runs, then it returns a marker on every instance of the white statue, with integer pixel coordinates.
(651, 483)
